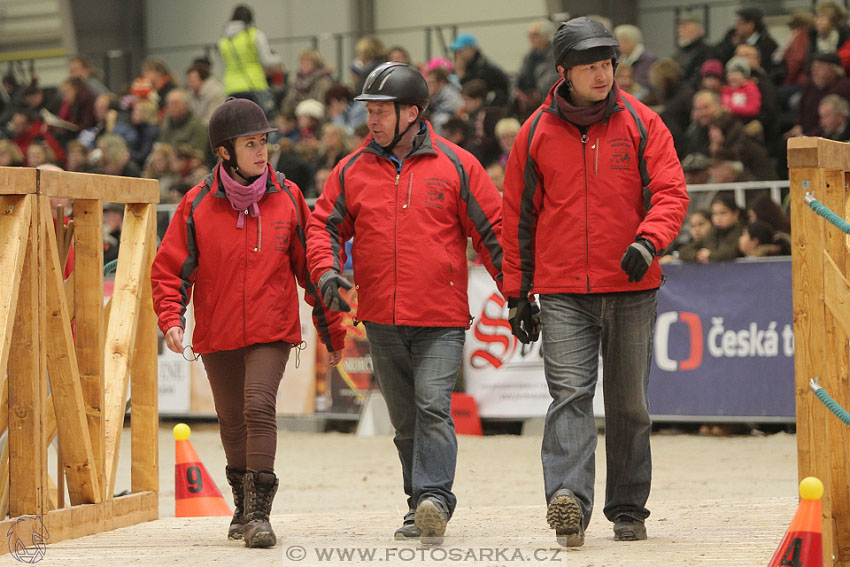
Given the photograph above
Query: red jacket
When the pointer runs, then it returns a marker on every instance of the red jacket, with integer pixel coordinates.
(410, 229)
(244, 279)
(570, 211)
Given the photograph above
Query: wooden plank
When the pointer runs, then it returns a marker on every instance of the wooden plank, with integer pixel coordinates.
(836, 291)
(26, 369)
(110, 188)
(89, 319)
(18, 181)
(144, 387)
(121, 330)
(80, 470)
(15, 215)
(85, 519)
(810, 350)
(809, 152)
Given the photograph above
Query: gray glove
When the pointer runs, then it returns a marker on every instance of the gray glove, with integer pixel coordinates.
(329, 284)
(638, 258)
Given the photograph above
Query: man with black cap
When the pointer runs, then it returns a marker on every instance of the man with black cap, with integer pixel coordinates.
(410, 199)
(576, 230)
(750, 29)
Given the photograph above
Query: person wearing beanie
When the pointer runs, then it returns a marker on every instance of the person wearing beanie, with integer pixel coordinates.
(580, 168)
(740, 95)
(711, 75)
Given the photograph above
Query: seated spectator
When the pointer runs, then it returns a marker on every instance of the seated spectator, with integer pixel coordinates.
(691, 47)
(156, 71)
(740, 95)
(831, 30)
(538, 72)
(474, 95)
(206, 93)
(769, 113)
(833, 113)
(398, 54)
(312, 80)
(506, 132)
(343, 110)
(158, 166)
(698, 229)
(711, 76)
(455, 131)
(76, 157)
(496, 172)
(764, 209)
(728, 171)
(359, 136)
(296, 168)
(750, 28)
(39, 153)
(310, 115)
(77, 107)
(696, 169)
(796, 55)
(144, 122)
(484, 145)
(625, 76)
(369, 52)
(181, 126)
(115, 157)
(634, 53)
(759, 240)
(80, 67)
(188, 165)
(333, 146)
(111, 119)
(446, 99)
(827, 77)
(721, 243)
(27, 128)
(674, 98)
(471, 64)
(706, 106)
(10, 155)
(731, 141)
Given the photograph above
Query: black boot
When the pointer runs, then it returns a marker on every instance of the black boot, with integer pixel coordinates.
(260, 488)
(236, 480)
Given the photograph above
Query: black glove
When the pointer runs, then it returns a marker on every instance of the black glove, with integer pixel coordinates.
(638, 258)
(524, 316)
(329, 284)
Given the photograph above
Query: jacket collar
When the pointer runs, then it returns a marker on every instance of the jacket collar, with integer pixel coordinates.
(422, 143)
(550, 105)
(213, 181)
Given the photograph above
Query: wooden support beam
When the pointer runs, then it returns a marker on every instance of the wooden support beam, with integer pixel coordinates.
(27, 387)
(809, 152)
(837, 333)
(144, 402)
(121, 330)
(110, 188)
(83, 520)
(15, 213)
(18, 180)
(89, 319)
(80, 470)
(809, 332)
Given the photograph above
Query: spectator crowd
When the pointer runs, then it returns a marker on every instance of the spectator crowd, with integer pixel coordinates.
(730, 106)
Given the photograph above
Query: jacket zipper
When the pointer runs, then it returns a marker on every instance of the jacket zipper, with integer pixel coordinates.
(596, 158)
(584, 140)
(409, 190)
(395, 244)
(245, 285)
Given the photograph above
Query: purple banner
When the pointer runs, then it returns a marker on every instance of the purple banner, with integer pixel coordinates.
(724, 342)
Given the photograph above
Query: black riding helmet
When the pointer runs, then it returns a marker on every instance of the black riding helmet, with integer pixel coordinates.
(233, 118)
(581, 41)
(398, 83)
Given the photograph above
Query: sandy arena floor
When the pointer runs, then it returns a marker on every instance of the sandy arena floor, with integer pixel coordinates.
(722, 501)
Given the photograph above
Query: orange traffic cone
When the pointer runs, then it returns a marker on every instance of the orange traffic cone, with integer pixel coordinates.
(802, 545)
(195, 493)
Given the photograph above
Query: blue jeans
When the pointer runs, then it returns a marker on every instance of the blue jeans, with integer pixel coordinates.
(417, 368)
(575, 329)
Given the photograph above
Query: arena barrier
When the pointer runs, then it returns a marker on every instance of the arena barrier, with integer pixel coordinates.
(820, 270)
(68, 359)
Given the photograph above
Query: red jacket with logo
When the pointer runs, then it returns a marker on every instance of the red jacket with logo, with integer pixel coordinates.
(243, 278)
(410, 229)
(573, 203)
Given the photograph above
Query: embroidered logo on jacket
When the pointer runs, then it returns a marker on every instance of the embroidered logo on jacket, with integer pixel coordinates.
(281, 235)
(621, 153)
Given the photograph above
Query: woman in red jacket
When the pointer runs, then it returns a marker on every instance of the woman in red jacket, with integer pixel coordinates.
(237, 240)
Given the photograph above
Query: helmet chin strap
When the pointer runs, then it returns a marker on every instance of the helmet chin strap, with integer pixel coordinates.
(398, 136)
(230, 162)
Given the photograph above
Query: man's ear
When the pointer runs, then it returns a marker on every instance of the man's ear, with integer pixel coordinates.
(562, 72)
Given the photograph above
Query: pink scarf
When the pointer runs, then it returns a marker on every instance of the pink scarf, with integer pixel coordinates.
(243, 197)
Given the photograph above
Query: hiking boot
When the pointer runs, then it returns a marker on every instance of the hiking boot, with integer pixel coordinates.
(629, 529)
(564, 516)
(431, 518)
(408, 529)
(260, 488)
(236, 480)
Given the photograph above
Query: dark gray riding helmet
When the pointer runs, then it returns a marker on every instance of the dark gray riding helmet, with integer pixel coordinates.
(581, 41)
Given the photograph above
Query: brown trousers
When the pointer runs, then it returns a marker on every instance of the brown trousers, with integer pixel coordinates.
(244, 385)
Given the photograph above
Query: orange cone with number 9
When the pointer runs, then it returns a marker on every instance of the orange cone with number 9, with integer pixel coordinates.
(802, 545)
(195, 493)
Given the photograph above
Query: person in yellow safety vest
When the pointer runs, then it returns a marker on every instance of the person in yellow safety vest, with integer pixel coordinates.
(245, 51)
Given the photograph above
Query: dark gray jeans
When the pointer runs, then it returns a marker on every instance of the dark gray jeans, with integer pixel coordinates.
(575, 328)
(417, 368)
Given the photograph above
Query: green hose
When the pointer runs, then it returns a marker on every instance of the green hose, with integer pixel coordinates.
(110, 267)
(824, 211)
(831, 404)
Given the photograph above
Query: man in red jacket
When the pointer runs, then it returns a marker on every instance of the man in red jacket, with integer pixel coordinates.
(577, 232)
(410, 199)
